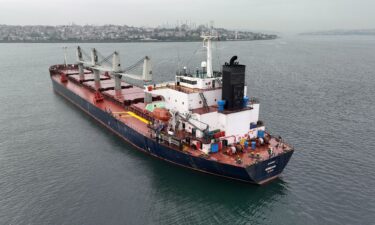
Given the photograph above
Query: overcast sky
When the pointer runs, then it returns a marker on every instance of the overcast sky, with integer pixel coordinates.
(272, 15)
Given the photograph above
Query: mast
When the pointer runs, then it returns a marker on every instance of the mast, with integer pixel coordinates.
(94, 62)
(207, 43)
(80, 64)
(116, 68)
(146, 72)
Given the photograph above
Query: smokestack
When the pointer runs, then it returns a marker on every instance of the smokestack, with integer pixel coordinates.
(233, 84)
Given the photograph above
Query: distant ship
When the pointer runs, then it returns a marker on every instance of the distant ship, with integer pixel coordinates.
(203, 120)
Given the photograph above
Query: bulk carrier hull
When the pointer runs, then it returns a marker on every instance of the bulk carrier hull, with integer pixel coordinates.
(258, 173)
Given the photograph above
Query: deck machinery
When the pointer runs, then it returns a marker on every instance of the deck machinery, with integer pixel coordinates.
(203, 120)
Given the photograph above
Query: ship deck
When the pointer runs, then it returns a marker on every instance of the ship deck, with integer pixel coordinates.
(113, 103)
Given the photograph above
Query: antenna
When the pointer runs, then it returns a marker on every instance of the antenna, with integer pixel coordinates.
(207, 43)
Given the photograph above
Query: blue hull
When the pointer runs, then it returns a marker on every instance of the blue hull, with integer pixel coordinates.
(258, 173)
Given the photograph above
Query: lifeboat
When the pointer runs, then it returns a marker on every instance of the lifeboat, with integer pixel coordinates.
(161, 114)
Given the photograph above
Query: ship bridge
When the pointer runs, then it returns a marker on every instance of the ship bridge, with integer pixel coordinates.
(199, 79)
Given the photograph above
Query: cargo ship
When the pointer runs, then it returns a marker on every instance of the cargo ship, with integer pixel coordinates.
(202, 120)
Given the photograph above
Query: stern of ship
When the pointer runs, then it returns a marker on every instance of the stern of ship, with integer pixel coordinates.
(267, 170)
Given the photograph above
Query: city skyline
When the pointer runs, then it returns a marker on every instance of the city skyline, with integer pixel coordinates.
(273, 15)
(115, 33)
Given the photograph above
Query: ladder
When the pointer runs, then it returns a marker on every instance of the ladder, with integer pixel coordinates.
(204, 100)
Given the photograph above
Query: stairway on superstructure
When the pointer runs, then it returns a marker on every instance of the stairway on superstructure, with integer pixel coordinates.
(204, 100)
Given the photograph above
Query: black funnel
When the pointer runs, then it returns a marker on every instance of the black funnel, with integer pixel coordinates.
(233, 84)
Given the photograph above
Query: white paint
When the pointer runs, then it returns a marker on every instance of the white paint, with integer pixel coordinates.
(117, 82)
(238, 123)
(94, 57)
(206, 148)
(270, 169)
(81, 71)
(207, 44)
(253, 133)
(211, 119)
(203, 64)
(147, 71)
(116, 65)
(212, 96)
(185, 102)
(174, 100)
(197, 82)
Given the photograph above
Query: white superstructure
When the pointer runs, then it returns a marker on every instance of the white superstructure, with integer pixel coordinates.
(193, 99)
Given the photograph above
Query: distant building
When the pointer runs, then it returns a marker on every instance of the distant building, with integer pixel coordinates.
(107, 33)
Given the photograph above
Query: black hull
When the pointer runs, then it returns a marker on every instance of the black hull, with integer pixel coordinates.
(258, 173)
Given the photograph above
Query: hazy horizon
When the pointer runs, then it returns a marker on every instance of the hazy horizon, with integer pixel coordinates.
(288, 16)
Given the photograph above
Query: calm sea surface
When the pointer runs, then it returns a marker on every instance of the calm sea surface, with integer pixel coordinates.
(57, 166)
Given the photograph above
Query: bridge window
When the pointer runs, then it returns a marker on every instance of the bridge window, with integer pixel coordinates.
(188, 81)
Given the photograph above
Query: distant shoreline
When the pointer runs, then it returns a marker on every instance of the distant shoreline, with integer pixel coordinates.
(121, 41)
(323, 34)
(369, 32)
(120, 34)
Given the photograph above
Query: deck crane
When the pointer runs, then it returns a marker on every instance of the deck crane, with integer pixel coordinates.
(113, 67)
